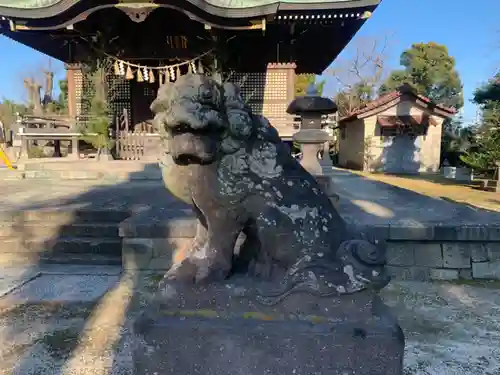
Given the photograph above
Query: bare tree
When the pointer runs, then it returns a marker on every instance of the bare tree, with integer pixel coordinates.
(360, 71)
(35, 78)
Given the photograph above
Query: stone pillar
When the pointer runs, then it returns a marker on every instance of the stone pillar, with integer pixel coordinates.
(25, 144)
(57, 148)
(75, 151)
(312, 138)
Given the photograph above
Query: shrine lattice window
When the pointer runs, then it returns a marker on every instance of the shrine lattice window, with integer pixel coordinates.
(119, 96)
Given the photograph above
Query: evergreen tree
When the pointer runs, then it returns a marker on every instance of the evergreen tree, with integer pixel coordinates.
(9, 110)
(430, 70)
(486, 153)
(488, 93)
(303, 81)
(96, 130)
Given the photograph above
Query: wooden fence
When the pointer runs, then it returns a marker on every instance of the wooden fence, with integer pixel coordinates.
(141, 145)
(137, 145)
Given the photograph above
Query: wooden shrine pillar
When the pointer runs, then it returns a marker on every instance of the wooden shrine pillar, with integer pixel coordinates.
(74, 75)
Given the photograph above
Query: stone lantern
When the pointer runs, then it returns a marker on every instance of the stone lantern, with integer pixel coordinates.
(312, 138)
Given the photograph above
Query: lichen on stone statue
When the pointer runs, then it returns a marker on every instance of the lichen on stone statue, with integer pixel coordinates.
(240, 178)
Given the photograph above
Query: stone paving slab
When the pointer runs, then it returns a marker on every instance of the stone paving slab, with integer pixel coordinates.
(368, 201)
(15, 277)
(64, 288)
(83, 170)
(362, 200)
(72, 195)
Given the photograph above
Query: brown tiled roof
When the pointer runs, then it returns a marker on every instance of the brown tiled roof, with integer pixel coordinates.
(281, 66)
(397, 94)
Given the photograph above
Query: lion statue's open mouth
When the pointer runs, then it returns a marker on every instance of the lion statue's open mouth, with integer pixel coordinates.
(191, 146)
(191, 121)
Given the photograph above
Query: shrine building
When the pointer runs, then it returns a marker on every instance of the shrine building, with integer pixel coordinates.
(259, 44)
(399, 132)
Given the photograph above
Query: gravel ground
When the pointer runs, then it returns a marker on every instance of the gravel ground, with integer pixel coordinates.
(449, 328)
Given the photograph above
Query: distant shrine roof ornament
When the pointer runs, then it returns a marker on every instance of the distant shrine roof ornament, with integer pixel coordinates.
(137, 11)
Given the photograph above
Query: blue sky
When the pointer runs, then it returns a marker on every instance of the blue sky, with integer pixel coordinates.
(470, 30)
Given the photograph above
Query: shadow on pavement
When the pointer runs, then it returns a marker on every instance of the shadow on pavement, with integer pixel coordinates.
(72, 317)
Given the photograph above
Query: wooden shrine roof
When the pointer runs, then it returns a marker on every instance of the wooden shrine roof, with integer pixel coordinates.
(66, 29)
(221, 8)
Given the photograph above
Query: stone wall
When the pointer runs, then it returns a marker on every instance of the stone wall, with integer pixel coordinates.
(442, 252)
(435, 252)
(352, 144)
(428, 260)
(427, 149)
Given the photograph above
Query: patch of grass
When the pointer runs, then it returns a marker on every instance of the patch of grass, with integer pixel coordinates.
(151, 284)
(156, 278)
(36, 152)
(60, 343)
(491, 284)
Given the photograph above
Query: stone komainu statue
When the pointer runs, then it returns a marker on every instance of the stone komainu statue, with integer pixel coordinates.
(232, 167)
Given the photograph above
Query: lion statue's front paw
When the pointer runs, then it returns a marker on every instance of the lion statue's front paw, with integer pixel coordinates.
(185, 271)
(198, 271)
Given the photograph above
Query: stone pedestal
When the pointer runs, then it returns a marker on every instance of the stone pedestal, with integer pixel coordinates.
(225, 329)
(25, 145)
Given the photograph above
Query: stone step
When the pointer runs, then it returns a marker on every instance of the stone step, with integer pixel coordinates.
(62, 175)
(8, 174)
(61, 246)
(84, 170)
(492, 189)
(47, 230)
(57, 217)
(82, 259)
(101, 166)
(112, 175)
